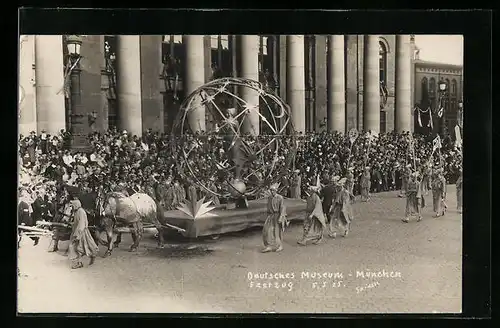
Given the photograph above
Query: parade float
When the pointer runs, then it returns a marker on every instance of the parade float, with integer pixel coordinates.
(244, 174)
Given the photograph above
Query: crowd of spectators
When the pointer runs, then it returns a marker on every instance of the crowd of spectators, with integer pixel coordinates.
(142, 163)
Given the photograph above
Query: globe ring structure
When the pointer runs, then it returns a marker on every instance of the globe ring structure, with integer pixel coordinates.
(229, 114)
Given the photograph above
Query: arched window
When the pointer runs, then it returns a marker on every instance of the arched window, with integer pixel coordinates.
(432, 87)
(454, 88)
(383, 62)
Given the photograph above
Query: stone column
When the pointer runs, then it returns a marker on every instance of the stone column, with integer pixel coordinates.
(336, 84)
(92, 64)
(371, 84)
(195, 77)
(151, 97)
(50, 108)
(128, 83)
(27, 101)
(295, 81)
(249, 52)
(403, 115)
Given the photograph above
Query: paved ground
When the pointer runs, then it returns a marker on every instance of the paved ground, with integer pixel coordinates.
(213, 275)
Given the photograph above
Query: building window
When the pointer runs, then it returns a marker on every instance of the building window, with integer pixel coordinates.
(221, 56)
(224, 41)
(383, 63)
(432, 87)
(425, 88)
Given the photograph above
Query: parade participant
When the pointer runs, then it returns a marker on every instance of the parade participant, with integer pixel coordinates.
(427, 178)
(192, 192)
(438, 193)
(404, 180)
(81, 241)
(328, 196)
(275, 223)
(459, 190)
(171, 196)
(365, 185)
(315, 221)
(341, 211)
(349, 183)
(295, 185)
(413, 194)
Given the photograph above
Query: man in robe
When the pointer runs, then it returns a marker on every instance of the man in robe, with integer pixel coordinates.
(349, 183)
(315, 221)
(459, 190)
(438, 193)
(295, 185)
(365, 185)
(213, 187)
(341, 210)
(81, 241)
(413, 195)
(404, 180)
(272, 233)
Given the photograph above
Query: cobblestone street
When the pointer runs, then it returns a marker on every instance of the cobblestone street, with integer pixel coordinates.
(420, 266)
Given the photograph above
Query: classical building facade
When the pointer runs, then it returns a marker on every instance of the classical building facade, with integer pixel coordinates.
(132, 82)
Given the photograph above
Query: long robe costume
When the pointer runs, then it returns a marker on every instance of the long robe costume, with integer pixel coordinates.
(413, 194)
(349, 183)
(342, 213)
(272, 233)
(365, 185)
(81, 241)
(210, 196)
(438, 194)
(459, 191)
(295, 185)
(315, 221)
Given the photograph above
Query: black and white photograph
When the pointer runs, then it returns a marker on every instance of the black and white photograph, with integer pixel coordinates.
(244, 173)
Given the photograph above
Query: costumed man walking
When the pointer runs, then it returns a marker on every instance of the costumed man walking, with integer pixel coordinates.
(349, 183)
(342, 213)
(438, 193)
(459, 190)
(404, 180)
(365, 185)
(315, 221)
(272, 233)
(295, 185)
(81, 241)
(413, 194)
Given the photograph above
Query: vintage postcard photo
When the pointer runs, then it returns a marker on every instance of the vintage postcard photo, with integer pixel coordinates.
(240, 173)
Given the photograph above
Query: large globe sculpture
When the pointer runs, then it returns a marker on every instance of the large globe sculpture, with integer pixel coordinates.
(237, 148)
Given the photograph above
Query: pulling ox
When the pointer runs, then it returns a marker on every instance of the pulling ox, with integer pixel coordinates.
(118, 210)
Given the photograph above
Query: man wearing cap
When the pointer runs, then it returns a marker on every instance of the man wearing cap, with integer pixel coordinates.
(459, 190)
(341, 211)
(413, 193)
(81, 241)
(365, 185)
(295, 185)
(315, 221)
(24, 214)
(272, 233)
(438, 193)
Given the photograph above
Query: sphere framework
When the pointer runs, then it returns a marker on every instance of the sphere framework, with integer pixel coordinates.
(239, 125)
